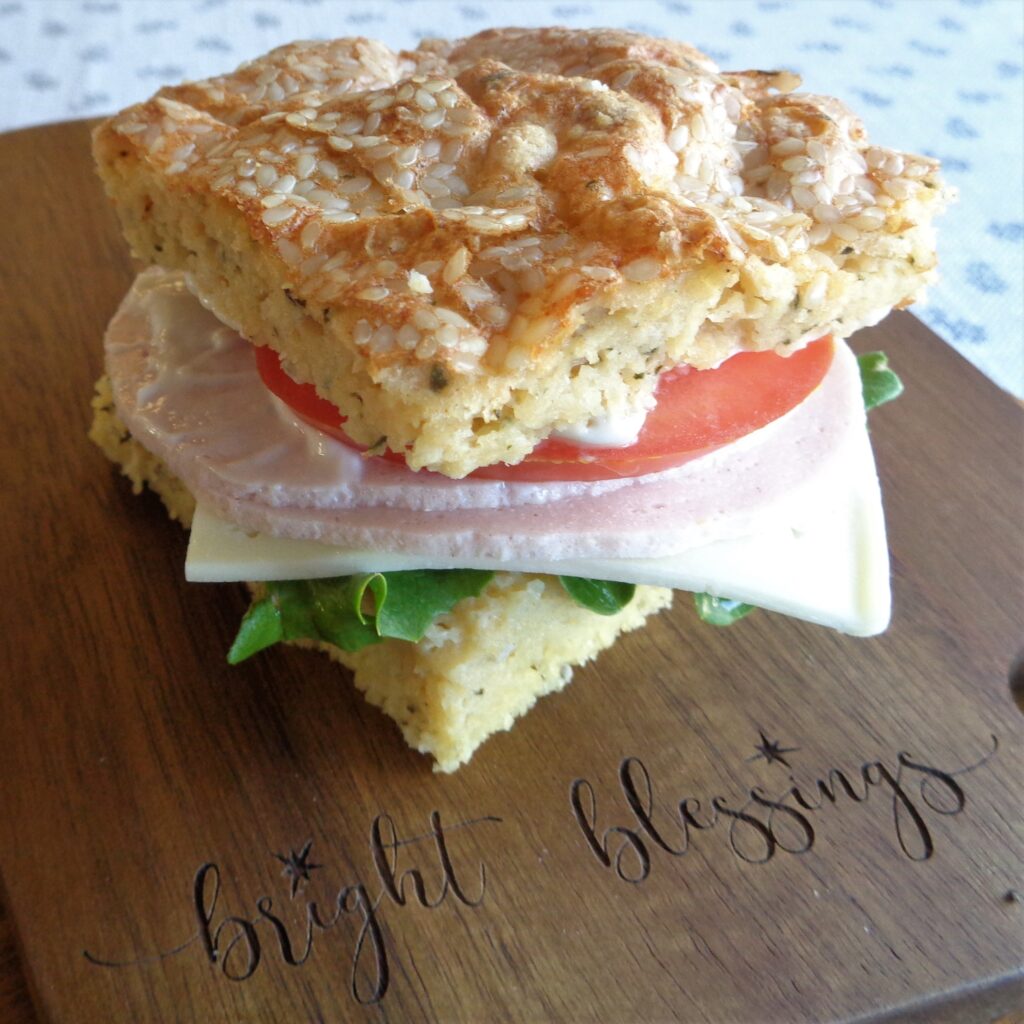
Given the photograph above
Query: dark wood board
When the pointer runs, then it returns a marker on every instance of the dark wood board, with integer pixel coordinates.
(131, 755)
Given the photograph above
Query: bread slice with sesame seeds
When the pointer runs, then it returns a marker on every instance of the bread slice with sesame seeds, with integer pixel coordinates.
(478, 668)
(472, 245)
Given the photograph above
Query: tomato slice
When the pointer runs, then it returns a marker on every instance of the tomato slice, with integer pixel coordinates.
(697, 411)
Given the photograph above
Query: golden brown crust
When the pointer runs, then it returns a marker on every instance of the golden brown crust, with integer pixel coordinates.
(450, 224)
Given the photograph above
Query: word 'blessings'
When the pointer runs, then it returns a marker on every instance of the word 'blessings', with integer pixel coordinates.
(765, 824)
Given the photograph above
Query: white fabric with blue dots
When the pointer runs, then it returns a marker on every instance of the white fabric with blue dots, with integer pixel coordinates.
(941, 77)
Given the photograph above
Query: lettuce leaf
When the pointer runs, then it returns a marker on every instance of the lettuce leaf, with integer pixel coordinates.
(878, 383)
(602, 596)
(720, 611)
(353, 612)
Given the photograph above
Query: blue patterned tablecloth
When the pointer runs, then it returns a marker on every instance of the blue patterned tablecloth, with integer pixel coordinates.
(942, 77)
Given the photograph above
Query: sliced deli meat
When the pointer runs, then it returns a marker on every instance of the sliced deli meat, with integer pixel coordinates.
(188, 388)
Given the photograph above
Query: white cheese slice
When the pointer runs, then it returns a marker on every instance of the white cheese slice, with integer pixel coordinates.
(834, 572)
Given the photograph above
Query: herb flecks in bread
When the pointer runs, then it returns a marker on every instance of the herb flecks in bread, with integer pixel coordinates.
(468, 246)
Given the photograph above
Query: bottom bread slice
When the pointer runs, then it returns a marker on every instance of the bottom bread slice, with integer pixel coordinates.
(476, 670)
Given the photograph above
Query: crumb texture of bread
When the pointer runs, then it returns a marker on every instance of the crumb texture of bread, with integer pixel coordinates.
(136, 462)
(478, 668)
(470, 245)
(486, 662)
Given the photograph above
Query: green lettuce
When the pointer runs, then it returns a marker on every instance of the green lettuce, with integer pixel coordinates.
(602, 596)
(878, 383)
(353, 612)
(720, 611)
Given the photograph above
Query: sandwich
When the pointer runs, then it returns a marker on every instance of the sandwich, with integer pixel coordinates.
(465, 358)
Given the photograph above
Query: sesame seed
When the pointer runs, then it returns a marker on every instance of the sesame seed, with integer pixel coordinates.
(599, 273)
(284, 184)
(473, 294)
(340, 217)
(408, 337)
(645, 269)
(424, 100)
(804, 197)
(495, 315)
(456, 266)
(304, 165)
(419, 283)
(565, 286)
(271, 201)
(265, 175)
(408, 156)
(899, 188)
(795, 163)
(434, 188)
(425, 320)
(289, 251)
(383, 338)
(310, 233)
(622, 80)
(322, 197)
(353, 186)
(788, 147)
(808, 177)
(816, 151)
(374, 294)
(449, 316)
(278, 215)
(678, 137)
(337, 260)
(433, 119)
(339, 143)
(383, 150)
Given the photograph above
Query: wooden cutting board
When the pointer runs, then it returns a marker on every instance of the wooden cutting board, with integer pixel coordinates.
(171, 825)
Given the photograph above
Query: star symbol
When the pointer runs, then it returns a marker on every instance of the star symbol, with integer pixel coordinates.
(771, 750)
(297, 866)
